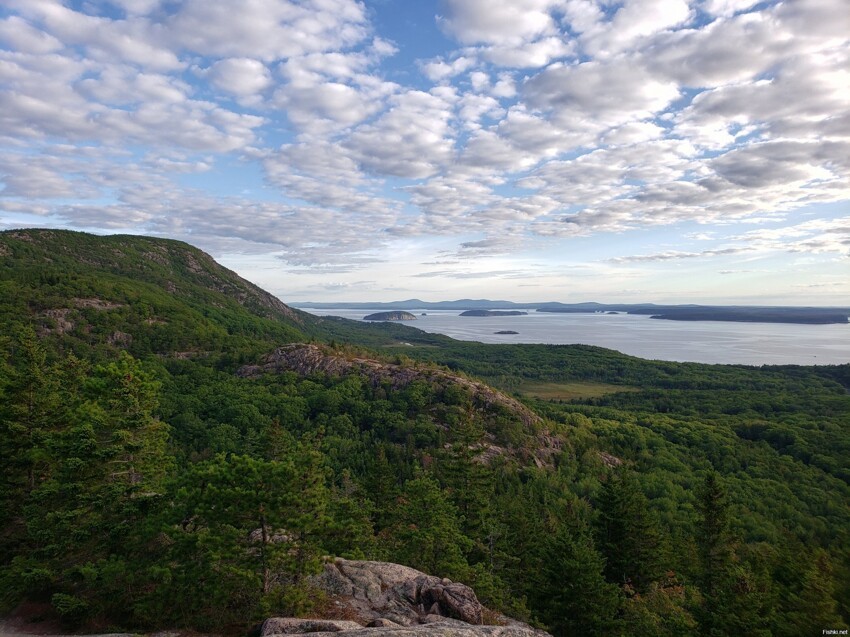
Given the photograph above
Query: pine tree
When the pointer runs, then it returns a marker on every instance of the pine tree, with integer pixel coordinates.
(578, 600)
(734, 599)
(628, 534)
(426, 533)
(468, 481)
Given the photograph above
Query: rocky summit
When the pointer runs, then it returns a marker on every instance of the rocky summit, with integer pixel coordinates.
(399, 601)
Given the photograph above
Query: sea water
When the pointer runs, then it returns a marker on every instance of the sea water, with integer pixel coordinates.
(642, 336)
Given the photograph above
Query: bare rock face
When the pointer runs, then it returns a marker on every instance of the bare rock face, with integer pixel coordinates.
(295, 626)
(382, 599)
(305, 359)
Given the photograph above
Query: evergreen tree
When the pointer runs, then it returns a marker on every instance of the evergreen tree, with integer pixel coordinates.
(578, 600)
(468, 481)
(426, 533)
(735, 601)
(249, 529)
(628, 534)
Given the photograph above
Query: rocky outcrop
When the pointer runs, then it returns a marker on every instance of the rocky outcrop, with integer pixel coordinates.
(382, 590)
(309, 359)
(445, 628)
(390, 316)
(381, 599)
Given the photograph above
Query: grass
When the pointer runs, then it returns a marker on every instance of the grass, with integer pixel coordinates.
(571, 390)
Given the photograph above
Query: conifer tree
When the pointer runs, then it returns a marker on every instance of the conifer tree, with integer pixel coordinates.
(734, 600)
(578, 600)
(427, 533)
(628, 534)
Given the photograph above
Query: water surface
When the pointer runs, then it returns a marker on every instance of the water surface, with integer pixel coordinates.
(638, 335)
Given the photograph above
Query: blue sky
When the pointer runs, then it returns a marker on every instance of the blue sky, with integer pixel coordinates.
(332, 150)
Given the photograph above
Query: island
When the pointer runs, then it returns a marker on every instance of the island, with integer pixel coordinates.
(390, 316)
(505, 332)
(493, 313)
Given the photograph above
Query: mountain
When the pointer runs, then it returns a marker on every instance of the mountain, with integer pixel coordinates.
(179, 449)
(154, 294)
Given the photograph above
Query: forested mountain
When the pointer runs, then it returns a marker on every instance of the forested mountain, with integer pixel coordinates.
(180, 448)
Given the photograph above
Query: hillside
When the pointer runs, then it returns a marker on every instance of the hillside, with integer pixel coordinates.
(181, 449)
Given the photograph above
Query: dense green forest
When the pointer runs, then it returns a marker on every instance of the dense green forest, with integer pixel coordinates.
(149, 482)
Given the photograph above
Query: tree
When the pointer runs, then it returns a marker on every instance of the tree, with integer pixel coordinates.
(427, 532)
(628, 534)
(578, 599)
(249, 527)
(734, 599)
(814, 606)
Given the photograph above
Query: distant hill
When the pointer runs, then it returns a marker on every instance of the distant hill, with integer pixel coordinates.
(686, 312)
(493, 313)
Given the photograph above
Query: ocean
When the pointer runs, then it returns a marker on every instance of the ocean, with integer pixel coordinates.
(637, 335)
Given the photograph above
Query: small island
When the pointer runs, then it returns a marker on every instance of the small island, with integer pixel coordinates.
(390, 316)
(505, 332)
(493, 313)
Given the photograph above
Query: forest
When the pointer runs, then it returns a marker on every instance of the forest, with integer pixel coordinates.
(148, 483)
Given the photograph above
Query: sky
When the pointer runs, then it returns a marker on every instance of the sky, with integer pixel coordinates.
(529, 150)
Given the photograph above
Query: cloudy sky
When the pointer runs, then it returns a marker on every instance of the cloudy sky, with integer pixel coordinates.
(572, 150)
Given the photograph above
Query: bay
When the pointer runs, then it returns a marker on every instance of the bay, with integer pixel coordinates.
(716, 342)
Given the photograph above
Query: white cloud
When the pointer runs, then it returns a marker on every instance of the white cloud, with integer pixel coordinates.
(242, 77)
(18, 34)
(604, 93)
(412, 139)
(634, 20)
(483, 21)
(535, 54)
(134, 40)
(551, 118)
(439, 70)
(266, 29)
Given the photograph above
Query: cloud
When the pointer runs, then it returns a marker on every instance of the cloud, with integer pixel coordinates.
(675, 255)
(19, 35)
(412, 139)
(602, 94)
(266, 30)
(634, 20)
(482, 21)
(242, 77)
(550, 119)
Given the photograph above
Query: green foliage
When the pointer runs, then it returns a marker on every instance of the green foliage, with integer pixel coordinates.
(629, 534)
(578, 599)
(143, 483)
(426, 532)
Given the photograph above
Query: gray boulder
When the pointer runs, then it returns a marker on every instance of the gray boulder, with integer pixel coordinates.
(381, 599)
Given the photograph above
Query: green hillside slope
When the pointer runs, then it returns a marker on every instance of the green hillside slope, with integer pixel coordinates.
(179, 448)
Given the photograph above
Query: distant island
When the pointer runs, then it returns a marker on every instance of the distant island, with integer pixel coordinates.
(493, 313)
(395, 315)
(505, 332)
(804, 315)
(734, 313)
